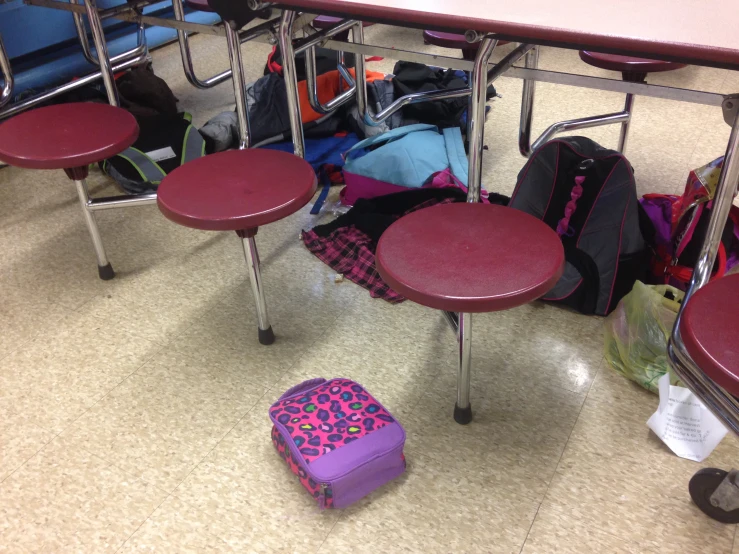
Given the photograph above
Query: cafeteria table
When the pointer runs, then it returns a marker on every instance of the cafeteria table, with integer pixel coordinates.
(684, 31)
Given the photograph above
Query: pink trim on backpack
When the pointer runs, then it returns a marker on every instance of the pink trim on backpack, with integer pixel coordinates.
(563, 227)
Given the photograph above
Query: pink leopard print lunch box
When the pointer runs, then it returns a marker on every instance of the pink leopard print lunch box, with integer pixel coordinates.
(340, 442)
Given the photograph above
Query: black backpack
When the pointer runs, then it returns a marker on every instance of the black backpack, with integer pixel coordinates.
(588, 195)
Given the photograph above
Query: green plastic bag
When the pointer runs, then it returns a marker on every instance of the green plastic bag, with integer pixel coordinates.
(636, 334)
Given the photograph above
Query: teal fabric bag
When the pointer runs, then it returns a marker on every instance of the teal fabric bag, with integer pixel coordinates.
(408, 156)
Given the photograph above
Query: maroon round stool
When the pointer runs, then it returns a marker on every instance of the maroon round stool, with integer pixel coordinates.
(634, 70)
(454, 40)
(70, 137)
(437, 257)
(239, 190)
(708, 328)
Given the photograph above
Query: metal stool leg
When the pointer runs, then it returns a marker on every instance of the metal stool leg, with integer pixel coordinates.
(105, 270)
(623, 137)
(234, 55)
(462, 409)
(266, 335)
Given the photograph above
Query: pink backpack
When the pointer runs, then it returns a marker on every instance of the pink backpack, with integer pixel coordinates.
(340, 442)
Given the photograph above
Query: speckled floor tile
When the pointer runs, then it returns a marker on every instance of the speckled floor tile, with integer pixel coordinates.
(23, 316)
(244, 484)
(68, 500)
(638, 498)
(555, 532)
(20, 439)
(436, 508)
(177, 527)
(163, 420)
(55, 378)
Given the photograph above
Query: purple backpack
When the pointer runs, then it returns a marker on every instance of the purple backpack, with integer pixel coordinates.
(340, 442)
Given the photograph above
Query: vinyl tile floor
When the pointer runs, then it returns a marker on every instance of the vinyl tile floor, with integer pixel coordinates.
(133, 413)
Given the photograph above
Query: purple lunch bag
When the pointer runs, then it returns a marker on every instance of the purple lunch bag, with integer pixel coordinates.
(340, 442)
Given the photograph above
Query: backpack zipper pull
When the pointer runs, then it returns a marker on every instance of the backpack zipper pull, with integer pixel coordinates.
(322, 496)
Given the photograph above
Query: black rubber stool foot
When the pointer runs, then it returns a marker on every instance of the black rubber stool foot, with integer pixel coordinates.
(462, 415)
(106, 272)
(266, 336)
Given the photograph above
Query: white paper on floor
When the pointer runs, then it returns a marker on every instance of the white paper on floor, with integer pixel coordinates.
(684, 424)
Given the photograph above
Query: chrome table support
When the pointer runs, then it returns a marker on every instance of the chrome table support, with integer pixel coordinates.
(291, 81)
(7, 91)
(16, 108)
(79, 23)
(526, 147)
(101, 48)
(242, 107)
(479, 85)
(183, 37)
(311, 80)
(721, 403)
(628, 110)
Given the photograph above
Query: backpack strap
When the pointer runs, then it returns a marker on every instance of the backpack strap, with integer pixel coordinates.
(456, 154)
(193, 145)
(588, 270)
(149, 170)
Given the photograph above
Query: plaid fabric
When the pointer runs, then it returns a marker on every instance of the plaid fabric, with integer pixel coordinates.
(351, 252)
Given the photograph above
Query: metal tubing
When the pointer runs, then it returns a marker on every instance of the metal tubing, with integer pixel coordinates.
(101, 48)
(452, 318)
(92, 226)
(414, 98)
(183, 38)
(507, 62)
(316, 38)
(113, 202)
(582, 123)
(234, 56)
(539, 75)
(725, 191)
(7, 91)
(624, 136)
(291, 81)
(721, 403)
(527, 105)
(465, 361)
(79, 24)
(311, 80)
(44, 96)
(255, 278)
(360, 74)
(479, 85)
